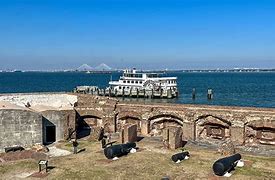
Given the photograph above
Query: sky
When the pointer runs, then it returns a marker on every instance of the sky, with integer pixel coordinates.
(146, 34)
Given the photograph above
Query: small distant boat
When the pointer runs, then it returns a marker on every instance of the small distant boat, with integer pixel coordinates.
(17, 71)
(88, 72)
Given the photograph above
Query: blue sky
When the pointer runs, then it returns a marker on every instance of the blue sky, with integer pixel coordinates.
(147, 34)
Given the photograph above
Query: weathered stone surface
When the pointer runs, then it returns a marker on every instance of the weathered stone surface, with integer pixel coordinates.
(188, 131)
(172, 137)
(237, 135)
(63, 121)
(94, 134)
(165, 137)
(175, 137)
(144, 127)
(20, 127)
(128, 133)
(227, 148)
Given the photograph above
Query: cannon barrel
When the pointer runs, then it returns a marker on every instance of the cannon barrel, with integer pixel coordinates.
(118, 150)
(221, 166)
(179, 156)
(13, 149)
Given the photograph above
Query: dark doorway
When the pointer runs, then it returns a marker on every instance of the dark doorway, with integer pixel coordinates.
(50, 134)
(85, 125)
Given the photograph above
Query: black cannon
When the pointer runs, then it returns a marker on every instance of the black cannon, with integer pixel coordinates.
(224, 165)
(13, 149)
(118, 150)
(180, 156)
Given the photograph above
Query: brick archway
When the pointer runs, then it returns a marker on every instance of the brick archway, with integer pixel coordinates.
(86, 125)
(122, 120)
(211, 128)
(161, 121)
(260, 132)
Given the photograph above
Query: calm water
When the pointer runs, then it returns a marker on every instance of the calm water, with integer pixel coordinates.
(237, 89)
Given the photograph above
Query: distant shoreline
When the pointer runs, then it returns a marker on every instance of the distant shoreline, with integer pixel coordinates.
(158, 71)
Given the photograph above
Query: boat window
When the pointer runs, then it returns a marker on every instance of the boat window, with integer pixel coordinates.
(132, 82)
(124, 81)
(140, 82)
(136, 82)
(119, 87)
(128, 81)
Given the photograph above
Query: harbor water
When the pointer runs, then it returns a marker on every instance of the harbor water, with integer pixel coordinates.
(230, 89)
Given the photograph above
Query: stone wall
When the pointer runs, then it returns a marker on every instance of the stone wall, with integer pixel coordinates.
(97, 111)
(205, 124)
(200, 123)
(19, 127)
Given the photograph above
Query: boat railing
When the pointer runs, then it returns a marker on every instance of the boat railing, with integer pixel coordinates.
(146, 93)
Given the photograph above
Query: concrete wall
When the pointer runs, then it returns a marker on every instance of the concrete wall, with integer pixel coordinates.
(61, 120)
(19, 127)
(57, 110)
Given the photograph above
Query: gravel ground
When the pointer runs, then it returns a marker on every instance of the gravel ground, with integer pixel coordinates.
(56, 152)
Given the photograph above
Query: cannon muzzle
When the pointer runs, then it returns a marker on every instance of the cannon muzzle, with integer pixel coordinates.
(118, 150)
(180, 156)
(224, 165)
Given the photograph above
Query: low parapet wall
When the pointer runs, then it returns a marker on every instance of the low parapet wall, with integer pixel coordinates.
(55, 100)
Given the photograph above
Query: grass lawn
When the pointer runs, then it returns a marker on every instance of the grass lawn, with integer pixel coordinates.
(150, 162)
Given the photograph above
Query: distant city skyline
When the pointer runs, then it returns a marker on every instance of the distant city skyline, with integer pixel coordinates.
(193, 34)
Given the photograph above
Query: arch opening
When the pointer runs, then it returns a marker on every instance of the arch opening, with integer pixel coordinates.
(257, 133)
(210, 129)
(86, 124)
(120, 122)
(161, 122)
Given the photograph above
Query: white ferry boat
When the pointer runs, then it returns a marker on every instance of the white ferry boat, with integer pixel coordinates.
(132, 81)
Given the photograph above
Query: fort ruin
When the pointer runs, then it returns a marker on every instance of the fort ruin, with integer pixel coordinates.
(26, 119)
